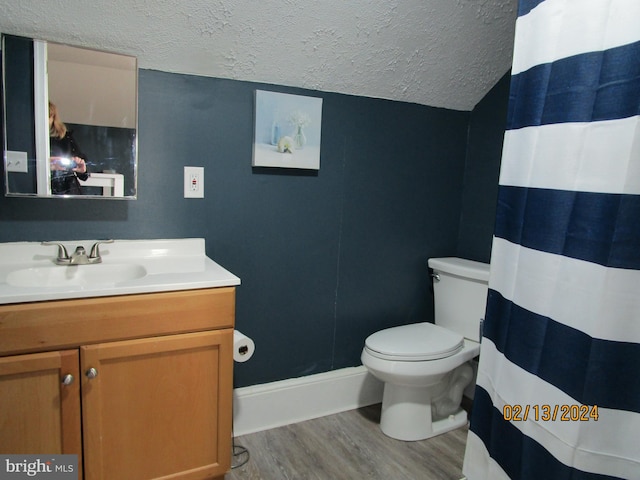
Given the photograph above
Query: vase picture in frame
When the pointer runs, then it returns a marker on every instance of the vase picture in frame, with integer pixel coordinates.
(287, 130)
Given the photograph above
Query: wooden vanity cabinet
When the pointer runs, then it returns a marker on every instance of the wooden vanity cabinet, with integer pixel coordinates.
(151, 395)
(38, 412)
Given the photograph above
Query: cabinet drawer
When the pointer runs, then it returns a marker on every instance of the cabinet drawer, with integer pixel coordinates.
(40, 326)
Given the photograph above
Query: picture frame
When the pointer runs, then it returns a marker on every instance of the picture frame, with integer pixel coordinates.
(287, 130)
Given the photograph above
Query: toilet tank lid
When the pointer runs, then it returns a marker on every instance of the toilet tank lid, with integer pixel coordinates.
(461, 267)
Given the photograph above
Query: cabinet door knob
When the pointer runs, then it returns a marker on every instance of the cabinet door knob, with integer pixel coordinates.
(92, 373)
(67, 379)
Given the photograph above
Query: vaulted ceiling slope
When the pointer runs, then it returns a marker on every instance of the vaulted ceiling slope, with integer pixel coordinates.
(442, 53)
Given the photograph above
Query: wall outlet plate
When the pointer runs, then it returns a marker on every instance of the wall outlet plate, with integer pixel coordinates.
(193, 182)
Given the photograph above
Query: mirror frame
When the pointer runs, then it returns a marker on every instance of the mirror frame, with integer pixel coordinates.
(31, 127)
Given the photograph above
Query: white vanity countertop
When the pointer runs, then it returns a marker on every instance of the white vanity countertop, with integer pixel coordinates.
(28, 272)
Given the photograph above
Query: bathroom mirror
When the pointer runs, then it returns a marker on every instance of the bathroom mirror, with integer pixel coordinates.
(95, 94)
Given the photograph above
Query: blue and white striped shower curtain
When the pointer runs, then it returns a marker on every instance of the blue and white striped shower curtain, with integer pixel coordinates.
(558, 388)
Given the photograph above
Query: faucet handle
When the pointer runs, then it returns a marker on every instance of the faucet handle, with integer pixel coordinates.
(95, 250)
(63, 256)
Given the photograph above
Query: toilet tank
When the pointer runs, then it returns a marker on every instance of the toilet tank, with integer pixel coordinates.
(460, 294)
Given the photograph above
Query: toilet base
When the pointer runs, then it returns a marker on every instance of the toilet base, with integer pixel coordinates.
(406, 414)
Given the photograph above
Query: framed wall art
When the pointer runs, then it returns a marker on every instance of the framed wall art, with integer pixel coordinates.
(287, 131)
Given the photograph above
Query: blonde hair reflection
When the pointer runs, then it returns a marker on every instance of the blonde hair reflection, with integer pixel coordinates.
(57, 128)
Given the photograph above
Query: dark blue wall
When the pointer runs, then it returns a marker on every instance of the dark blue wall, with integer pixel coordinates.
(325, 258)
(18, 94)
(482, 172)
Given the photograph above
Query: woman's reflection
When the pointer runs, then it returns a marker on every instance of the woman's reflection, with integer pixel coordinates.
(67, 162)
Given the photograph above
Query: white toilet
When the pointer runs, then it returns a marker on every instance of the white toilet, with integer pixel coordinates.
(426, 367)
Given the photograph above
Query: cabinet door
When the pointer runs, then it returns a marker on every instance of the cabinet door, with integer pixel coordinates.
(158, 407)
(39, 414)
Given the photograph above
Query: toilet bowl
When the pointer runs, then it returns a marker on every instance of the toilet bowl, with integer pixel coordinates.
(425, 367)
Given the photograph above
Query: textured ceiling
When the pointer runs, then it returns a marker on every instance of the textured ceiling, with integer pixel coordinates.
(443, 53)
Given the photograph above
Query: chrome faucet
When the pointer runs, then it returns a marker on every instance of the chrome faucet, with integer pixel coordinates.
(79, 257)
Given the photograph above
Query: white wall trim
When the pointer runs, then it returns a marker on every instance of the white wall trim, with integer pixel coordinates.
(271, 405)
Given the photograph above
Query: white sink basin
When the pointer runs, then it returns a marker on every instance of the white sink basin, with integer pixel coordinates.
(78, 275)
(28, 270)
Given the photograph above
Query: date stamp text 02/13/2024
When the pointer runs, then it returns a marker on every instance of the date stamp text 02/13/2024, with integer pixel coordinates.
(550, 413)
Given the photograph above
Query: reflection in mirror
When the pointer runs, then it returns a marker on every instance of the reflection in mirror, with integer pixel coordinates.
(95, 97)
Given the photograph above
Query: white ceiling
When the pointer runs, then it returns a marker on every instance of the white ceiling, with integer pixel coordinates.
(442, 53)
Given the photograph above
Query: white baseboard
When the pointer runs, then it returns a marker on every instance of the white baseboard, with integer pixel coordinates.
(271, 405)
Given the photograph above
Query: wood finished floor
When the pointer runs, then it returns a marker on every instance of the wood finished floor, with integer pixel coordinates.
(347, 446)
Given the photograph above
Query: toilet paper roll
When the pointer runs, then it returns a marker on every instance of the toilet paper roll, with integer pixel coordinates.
(243, 347)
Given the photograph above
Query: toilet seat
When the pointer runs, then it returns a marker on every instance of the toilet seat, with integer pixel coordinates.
(414, 343)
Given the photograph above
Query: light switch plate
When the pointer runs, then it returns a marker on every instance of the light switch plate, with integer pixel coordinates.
(193, 182)
(17, 161)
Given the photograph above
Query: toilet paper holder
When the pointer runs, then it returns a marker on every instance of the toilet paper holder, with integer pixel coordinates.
(243, 347)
